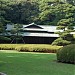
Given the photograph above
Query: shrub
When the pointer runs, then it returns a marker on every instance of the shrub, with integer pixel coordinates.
(45, 50)
(67, 54)
(7, 47)
(22, 49)
(38, 48)
(61, 42)
(4, 39)
(30, 47)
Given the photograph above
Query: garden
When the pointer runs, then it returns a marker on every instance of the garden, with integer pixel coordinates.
(56, 58)
(37, 59)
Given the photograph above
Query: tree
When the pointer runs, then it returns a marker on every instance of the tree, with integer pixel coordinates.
(3, 38)
(53, 11)
(1, 28)
(16, 32)
(47, 17)
(39, 11)
(2, 25)
(66, 25)
(23, 12)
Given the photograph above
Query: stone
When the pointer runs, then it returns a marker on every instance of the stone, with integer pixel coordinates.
(2, 73)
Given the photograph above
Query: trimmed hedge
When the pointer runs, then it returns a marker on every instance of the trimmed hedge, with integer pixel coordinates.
(8, 46)
(30, 47)
(67, 54)
(37, 49)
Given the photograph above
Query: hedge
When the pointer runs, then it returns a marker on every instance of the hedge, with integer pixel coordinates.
(30, 47)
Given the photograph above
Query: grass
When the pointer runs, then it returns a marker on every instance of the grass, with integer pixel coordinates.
(16, 63)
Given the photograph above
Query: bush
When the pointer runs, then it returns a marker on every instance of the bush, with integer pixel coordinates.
(4, 39)
(7, 47)
(38, 48)
(45, 50)
(22, 49)
(30, 47)
(61, 42)
(67, 54)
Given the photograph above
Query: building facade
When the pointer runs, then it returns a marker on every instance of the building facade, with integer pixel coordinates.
(37, 34)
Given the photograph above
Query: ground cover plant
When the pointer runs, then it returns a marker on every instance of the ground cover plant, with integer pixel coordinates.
(20, 63)
(30, 47)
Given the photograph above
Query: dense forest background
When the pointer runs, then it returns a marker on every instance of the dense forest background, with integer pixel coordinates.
(60, 13)
(45, 12)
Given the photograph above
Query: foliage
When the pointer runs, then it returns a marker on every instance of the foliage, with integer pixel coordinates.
(66, 23)
(23, 12)
(16, 33)
(57, 10)
(47, 17)
(45, 12)
(4, 39)
(2, 24)
(67, 26)
(67, 54)
(67, 36)
(1, 28)
(16, 29)
(30, 48)
(38, 49)
(61, 42)
(39, 11)
(71, 2)
(64, 39)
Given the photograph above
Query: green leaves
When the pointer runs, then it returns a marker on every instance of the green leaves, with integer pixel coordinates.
(39, 11)
(66, 54)
(61, 42)
(16, 29)
(66, 23)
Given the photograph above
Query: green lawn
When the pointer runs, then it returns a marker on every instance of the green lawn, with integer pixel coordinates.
(14, 63)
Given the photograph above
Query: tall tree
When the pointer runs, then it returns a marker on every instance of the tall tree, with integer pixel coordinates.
(23, 12)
